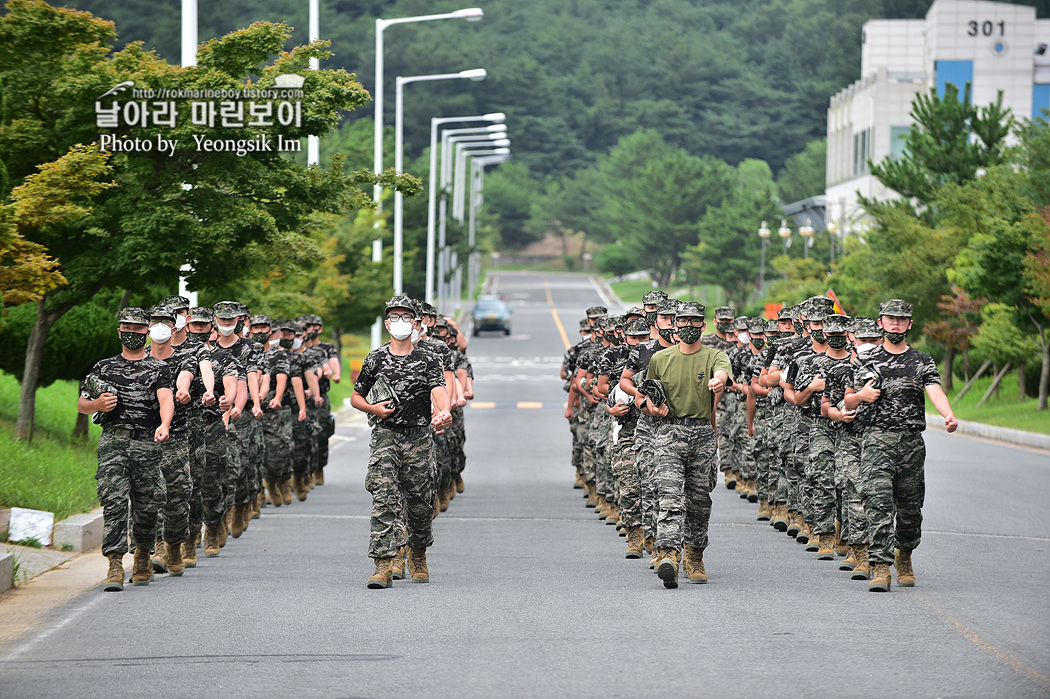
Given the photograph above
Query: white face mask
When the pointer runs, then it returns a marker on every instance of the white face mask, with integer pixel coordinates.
(180, 322)
(400, 329)
(274, 343)
(415, 336)
(225, 332)
(160, 333)
(297, 343)
(586, 336)
(863, 349)
(742, 337)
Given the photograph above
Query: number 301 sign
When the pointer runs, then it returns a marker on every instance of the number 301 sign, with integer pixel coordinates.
(986, 28)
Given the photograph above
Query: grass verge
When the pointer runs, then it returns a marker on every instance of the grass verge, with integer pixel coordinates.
(1004, 411)
(632, 290)
(47, 474)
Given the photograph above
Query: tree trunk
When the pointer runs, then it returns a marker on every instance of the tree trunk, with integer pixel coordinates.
(80, 429)
(564, 243)
(125, 299)
(994, 388)
(1021, 392)
(947, 381)
(969, 381)
(31, 375)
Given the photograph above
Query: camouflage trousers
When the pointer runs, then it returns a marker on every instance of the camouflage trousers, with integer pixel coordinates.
(763, 452)
(173, 524)
(577, 444)
(128, 476)
(458, 441)
(602, 434)
(644, 434)
(685, 473)
(799, 464)
(892, 486)
(443, 459)
(210, 462)
(233, 467)
(628, 486)
(732, 436)
(246, 439)
(304, 441)
(847, 483)
(820, 476)
(277, 434)
(778, 467)
(326, 428)
(586, 432)
(401, 478)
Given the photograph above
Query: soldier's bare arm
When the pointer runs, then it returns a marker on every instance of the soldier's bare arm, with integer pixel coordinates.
(940, 401)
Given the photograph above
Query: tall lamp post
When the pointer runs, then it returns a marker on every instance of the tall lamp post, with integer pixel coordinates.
(477, 187)
(833, 231)
(399, 119)
(764, 233)
(806, 231)
(785, 234)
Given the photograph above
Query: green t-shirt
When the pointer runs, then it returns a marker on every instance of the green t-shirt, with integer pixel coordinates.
(685, 376)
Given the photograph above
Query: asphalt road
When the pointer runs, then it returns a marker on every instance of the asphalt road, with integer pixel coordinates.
(531, 595)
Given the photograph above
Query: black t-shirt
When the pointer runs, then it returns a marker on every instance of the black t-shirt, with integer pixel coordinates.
(179, 362)
(410, 377)
(136, 382)
(903, 379)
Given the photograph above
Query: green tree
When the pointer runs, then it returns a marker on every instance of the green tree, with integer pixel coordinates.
(803, 175)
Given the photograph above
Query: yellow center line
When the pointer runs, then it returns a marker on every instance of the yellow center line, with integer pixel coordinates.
(547, 288)
(528, 405)
(561, 328)
(481, 405)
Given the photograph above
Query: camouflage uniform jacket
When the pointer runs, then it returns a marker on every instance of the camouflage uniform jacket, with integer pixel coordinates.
(137, 383)
(901, 406)
(277, 362)
(223, 364)
(411, 377)
(638, 360)
(178, 363)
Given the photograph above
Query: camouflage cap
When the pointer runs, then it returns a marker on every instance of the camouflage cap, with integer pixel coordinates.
(176, 302)
(429, 309)
(162, 311)
(816, 314)
(637, 326)
(200, 314)
(836, 323)
(756, 325)
(820, 303)
(609, 324)
(772, 328)
(895, 307)
(131, 314)
(784, 314)
(401, 301)
(653, 298)
(287, 325)
(302, 318)
(741, 322)
(442, 323)
(260, 319)
(724, 313)
(866, 327)
(316, 319)
(667, 307)
(796, 312)
(243, 309)
(634, 311)
(584, 325)
(691, 309)
(596, 311)
(227, 309)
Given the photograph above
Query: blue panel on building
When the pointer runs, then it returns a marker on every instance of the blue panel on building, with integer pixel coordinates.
(1040, 100)
(957, 73)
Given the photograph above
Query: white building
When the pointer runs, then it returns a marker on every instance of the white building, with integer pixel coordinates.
(993, 45)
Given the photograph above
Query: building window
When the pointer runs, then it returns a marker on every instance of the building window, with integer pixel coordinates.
(957, 73)
(1040, 100)
(861, 152)
(898, 141)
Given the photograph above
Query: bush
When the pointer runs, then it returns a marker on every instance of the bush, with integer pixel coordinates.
(615, 260)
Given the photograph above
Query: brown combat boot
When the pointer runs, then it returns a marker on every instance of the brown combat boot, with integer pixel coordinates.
(576, 485)
(301, 487)
(599, 506)
(841, 547)
(667, 569)
(752, 490)
(257, 504)
(460, 486)
(794, 524)
(730, 479)
(825, 547)
(695, 557)
(905, 573)
(614, 515)
(635, 542)
(442, 500)
(417, 565)
(850, 560)
(880, 579)
(211, 541)
(397, 567)
(861, 571)
(189, 554)
(173, 557)
(764, 511)
(812, 543)
(274, 490)
(223, 530)
(240, 513)
(157, 559)
(780, 518)
(319, 477)
(654, 557)
(286, 490)
(383, 576)
(592, 495)
(142, 571)
(115, 576)
(451, 491)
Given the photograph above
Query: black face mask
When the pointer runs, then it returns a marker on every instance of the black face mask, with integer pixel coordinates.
(798, 326)
(724, 327)
(650, 318)
(666, 333)
(818, 336)
(837, 342)
(239, 328)
(198, 337)
(758, 342)
(261, 338)
(133, 341)
(286, 344)
(894, 338)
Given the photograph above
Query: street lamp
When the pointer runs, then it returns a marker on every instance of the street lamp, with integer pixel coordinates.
(477, 188)
(458, 185)
(399, 198)
(435, 122)
(785, 234)
(764, 233)
(806, 231)
(833, 231)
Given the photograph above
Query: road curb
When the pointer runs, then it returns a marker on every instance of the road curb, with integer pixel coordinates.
(1033, 440)
(616, 300)
(7, 569)
(80, 532)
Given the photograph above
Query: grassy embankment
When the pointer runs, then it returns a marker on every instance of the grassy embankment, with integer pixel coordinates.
(1004, 411)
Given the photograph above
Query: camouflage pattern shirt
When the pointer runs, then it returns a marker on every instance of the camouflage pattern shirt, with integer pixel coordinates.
(224, 365)
(748, 367)
(904, 377)
(715, 342)
(178, 363)
(276, 362)
(839, 376)
(638, 360)
(137, 383)
(411, 378)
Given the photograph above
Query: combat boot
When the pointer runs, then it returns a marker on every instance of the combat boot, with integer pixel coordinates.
(850, 560)
(451, 491)
(157, 559)
(442, 498)
(654, 558)
(804, 532)
(173, 557)
(319, 476)
(189, 554)
(780, 518)
(668, 567)
(417, 565)
(237, 523)
(274, 489)
(730, 479)
(577, 485)
(257, 504)
(301, 487)
(825, 547)
(752, 490)
(793, 526)
(694, 563)
(635, 542)
(383, 576)
(460, 486)
(880, 579)
(841, 548)
(592, 496)
(764, 511)
(286, 490)
(211, 541)
(397, 567)
(741, 487)
(614, 515)
(115, 576)
(861, 571)
(905, 573)
(142, 572)
(812, 543)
